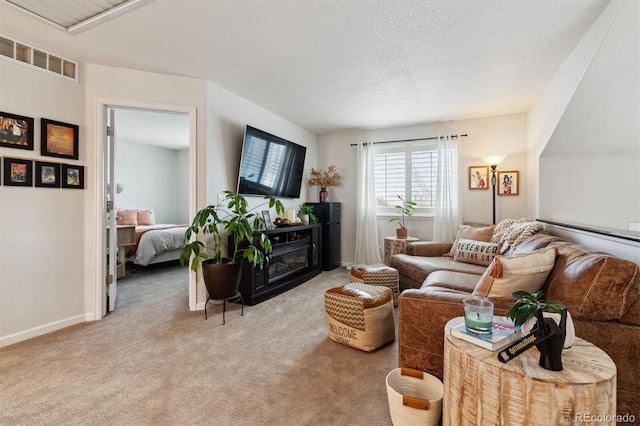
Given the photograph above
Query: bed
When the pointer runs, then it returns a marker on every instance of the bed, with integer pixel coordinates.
(154, 243)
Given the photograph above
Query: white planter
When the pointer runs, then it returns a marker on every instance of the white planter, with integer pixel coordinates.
(571, 332)
(304, 218)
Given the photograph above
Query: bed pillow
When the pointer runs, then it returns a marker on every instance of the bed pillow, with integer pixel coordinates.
(127, 217)
(146, 217)
(468, 232)
(476, 252)
(527, 271)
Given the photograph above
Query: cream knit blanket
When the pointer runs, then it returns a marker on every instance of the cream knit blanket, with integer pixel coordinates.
(509, 233)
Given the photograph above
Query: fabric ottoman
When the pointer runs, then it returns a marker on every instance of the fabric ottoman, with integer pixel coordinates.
(377, 274)
(360, 315)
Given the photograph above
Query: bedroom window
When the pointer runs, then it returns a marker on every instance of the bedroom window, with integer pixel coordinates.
(408, 170)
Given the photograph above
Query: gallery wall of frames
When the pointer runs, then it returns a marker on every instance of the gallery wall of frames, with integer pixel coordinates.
(57, 139)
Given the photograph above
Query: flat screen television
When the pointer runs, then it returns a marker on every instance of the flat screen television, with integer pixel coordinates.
(270, 165)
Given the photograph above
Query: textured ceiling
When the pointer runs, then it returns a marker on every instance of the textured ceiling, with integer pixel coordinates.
(331, 65)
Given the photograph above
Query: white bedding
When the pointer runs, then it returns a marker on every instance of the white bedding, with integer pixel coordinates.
(154, 242)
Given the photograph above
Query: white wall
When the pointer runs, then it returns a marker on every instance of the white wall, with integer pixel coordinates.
(502, 135)
(150, 178)
(42, 230)
(66, 225)
(227, 116)
(122, 87)
(583, 138)
(591, 161)
(548, 110)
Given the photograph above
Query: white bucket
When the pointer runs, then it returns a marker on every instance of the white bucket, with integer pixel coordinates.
(415, 397)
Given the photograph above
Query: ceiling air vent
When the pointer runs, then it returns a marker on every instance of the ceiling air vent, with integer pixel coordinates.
(25, 54)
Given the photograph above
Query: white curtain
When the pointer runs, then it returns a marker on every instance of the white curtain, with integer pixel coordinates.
(447, 211)
(367, 250)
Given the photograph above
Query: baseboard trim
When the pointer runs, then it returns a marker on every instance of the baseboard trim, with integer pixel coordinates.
(40, 330)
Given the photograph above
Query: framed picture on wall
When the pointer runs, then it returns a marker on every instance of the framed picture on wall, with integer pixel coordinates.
(508, 183)
(58, 139)
(479, 177)
(72, 176)
(16, 131)
(18, 172)
(47, 175)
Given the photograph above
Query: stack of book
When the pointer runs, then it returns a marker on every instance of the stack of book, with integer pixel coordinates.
(503, 333)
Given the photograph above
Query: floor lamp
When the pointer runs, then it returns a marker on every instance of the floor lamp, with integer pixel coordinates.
(493, 162)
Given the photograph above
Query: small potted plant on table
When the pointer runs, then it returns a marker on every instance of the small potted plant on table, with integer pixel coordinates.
(306, 214)
(524, 313)
(405, 209)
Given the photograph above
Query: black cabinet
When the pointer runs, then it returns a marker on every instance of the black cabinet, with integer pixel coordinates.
(329, 216)
(295, 258)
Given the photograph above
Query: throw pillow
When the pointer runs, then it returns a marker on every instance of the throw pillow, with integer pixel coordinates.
(476, 252)
(146, 217)
(468, 232)
(527, 271)
(127, 217)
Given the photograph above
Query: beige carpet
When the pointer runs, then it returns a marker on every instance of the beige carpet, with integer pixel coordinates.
(152, 361)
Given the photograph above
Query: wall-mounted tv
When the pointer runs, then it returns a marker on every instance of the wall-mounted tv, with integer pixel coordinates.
(270, 165)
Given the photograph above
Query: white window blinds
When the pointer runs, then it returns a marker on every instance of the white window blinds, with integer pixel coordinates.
(407, 170)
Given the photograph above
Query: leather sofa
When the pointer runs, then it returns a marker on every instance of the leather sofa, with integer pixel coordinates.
(601, 292)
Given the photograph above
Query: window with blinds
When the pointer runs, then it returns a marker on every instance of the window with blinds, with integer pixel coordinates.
(407, 170)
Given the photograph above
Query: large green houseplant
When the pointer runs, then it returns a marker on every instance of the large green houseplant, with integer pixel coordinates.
(213, 224)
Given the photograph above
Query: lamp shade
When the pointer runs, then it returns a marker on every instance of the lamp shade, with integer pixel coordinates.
(493, 160)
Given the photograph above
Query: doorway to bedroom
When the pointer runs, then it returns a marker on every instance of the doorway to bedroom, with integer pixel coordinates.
(148, 177)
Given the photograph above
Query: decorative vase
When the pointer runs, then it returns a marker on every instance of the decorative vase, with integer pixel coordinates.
(570, 337)
(324, 194)
(304, 218)
(402, 233)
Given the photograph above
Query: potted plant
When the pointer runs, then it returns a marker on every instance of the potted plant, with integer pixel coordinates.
(405, 209)
(230, 217)
(307, 215)
(323, 179)
(524, 313)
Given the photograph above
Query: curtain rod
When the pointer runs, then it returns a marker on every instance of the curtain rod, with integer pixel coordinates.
(413, 140)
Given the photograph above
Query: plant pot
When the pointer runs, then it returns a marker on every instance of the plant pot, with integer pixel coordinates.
(402, 233)
(570, 337)
(221, 279)
(304, 218)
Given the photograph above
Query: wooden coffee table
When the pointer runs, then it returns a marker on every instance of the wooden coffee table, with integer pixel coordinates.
(479, 389)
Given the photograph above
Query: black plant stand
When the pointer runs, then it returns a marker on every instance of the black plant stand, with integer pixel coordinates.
(233, 299)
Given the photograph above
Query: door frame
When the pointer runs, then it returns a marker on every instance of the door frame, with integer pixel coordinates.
(102, 105)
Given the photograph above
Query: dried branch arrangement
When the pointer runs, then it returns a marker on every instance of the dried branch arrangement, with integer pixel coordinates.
(329, 177)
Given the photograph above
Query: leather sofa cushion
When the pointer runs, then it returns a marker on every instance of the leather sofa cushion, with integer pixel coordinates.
(633, 314)
(418, 267)
(594, 286)
(457, 281)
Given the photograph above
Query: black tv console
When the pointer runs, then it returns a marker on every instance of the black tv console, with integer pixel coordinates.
(295, 258)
